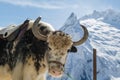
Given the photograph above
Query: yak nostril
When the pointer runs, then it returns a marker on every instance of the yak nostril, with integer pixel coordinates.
(56, 72)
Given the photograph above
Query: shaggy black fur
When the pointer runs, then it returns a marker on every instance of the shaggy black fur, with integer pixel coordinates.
(27, 46)
(3, 54)
(31, 46)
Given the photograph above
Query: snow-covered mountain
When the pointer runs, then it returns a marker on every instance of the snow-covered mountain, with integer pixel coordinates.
(108, 16)
(103, 36)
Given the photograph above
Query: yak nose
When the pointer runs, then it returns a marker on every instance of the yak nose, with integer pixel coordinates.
(56, 69)
(56, 72)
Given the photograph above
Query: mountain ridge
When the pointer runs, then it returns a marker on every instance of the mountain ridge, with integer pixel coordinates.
(109, 16)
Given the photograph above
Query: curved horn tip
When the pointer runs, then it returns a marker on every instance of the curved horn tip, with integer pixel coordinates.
(37, 20)
(39, 17)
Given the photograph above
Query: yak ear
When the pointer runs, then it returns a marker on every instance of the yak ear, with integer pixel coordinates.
(73, 49)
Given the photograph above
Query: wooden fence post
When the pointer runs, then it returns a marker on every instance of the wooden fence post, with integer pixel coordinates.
(94, 65)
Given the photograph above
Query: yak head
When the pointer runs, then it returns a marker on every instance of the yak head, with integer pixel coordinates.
(59, 44)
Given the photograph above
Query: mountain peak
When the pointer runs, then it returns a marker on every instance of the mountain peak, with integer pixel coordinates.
(72, 15)
(71, 20)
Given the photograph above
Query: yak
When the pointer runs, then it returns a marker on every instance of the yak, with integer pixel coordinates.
(33, 49)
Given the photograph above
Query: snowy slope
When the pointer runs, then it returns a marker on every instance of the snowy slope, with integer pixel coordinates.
(106, 40)
(103, 37)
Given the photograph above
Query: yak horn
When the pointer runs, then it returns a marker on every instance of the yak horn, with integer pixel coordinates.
(84, 38)
(36, 30)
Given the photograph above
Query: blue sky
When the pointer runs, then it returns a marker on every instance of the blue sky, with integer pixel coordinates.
(54, 12)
